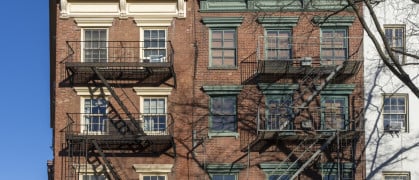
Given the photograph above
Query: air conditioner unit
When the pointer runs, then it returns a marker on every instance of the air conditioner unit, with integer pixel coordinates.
(157, 58)
(306, 61)
(395, 126)
(306, 124)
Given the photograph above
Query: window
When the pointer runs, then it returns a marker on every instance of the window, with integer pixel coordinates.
(94, 117)
(395, 38)
(278, 44)
(154, 114)
(223, 48)
(335, 112)
(396, 175)
(395, 112)
(94, 46)
(279, 112)
(154, 45)
(332, 171)
(154, 177)
(92, 177)
(223, 177)
(334, 45)
(223, 114)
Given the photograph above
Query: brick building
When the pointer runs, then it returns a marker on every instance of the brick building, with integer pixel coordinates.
(206, 89)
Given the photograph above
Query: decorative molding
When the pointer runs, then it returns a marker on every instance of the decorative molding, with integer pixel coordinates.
(226, 5)
(181, 7)
(94, 22)
(89, 168)
(153, 91)
(153, 21)
(153, 168)
(288, 21)
(222, 90)
(338, 89)
(222, 21)
(123, 9)
(64, 9)
(224, 168)
(84, 91)
(280, 167)
(333, 20)
(272, 89)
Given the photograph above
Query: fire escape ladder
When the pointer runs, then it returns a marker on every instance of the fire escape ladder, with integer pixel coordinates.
(119, 101)
(317, 153)
(106, 162)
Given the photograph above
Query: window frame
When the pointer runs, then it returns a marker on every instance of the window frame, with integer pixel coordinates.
(161, 58)
(143, 114)
(223, 174)
(278, 43)
(396, 173)
(81, 175)
(404, 127)
(333, 58)
(83, 122)
(345, 121)
(393, 28)
(332, 169)
(84, 41)
(142, 175)
(223, 49)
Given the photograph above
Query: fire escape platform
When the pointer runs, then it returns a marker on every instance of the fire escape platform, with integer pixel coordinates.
(268, 138)
(123, 73)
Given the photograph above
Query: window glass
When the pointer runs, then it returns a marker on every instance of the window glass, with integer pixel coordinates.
(278, 44)
(334, 45)
(279, 112)
(154, 114)
(335, 112)
(93, 177)
(394, 112)
(95, 49)
(154, 48)
(223, 48)
(223, 114)
(95, 117)
(223, 177)
(154, 178)
(395, 39)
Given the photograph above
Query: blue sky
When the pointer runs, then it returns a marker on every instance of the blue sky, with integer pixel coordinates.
(25, 135)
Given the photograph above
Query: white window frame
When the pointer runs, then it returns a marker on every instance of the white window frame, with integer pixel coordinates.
(83, 40)
(153, 174)
(142, 114)
(405, 124)
(89, 169)
(153, 170)
(83, 129)
(393, 27)
(142, 39)
(396, 173)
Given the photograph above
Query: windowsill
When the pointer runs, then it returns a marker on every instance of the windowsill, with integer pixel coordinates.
(223, 134)
(223, 68)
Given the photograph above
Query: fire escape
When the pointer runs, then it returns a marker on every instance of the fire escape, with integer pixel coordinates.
(93, 139)
(297, 126)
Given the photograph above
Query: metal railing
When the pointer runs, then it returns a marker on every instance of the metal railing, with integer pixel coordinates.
(109, 124)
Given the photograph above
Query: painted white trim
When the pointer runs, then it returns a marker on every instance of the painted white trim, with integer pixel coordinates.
(94, 22)
(153, 21)
(153, 91)
(84, 91)
(88, 168)
(153, 168)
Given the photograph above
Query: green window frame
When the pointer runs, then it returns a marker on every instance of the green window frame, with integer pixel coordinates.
(223, 47)
(396, 175)
(279, 112)
(395, 36)
(223, 114)
(334, 45)
(335, 114)
(216, 176)
(332, 171)
(278, 44)
(395, 112)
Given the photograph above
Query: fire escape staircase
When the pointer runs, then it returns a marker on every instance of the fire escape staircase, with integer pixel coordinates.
(308, 81)
(112, 175)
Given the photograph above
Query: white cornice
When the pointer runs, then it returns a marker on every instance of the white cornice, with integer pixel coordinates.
(153, 168)
(84, 91)
(153, 91)
(93, 22)
(153, 21)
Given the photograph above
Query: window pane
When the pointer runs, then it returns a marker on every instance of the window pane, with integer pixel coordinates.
(223, 114)
(223, 47)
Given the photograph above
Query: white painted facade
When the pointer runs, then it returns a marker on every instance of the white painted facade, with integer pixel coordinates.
(391, 153)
